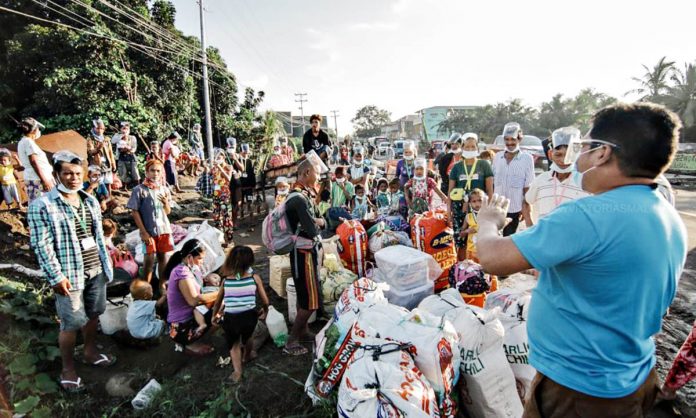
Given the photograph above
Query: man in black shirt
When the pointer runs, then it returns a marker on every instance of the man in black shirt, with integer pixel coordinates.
(316, 139)
(304, 258)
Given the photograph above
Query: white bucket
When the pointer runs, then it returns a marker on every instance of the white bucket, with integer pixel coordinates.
(114, 317)
(292, 303)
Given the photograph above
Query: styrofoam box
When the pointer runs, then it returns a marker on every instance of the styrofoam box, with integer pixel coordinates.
(404, 268)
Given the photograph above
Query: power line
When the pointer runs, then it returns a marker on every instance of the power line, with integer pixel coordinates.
(301, 101)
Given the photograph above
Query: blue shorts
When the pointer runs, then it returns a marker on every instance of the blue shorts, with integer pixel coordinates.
(79, 306)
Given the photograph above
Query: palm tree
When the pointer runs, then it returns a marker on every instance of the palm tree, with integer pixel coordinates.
(681, 96)
(653, 83)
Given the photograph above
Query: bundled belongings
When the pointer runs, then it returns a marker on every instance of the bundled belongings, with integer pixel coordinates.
(387, 238)
(279, 273)
(404, 268)
(435, 345)
(431, 234)
(487, 384)
(470, 280)
(512, 306)
(335, 279)
(352, 246)
(383, 381)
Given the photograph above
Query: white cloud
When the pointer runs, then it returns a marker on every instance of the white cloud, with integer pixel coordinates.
(258, 83)
(374, 26)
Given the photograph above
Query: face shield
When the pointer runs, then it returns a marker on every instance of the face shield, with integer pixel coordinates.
(317, 162)
(574, 150)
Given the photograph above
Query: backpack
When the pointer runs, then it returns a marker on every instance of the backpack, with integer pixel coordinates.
(277, 234)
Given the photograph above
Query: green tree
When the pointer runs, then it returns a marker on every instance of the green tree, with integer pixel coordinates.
(681, 95)
(369, 120)
(654, 81)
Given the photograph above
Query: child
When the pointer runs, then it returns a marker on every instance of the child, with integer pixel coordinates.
(342, 191)
(210, 284)
(419, 190)
(204, 185)
(155, 152)
(142, 322)
(96, 187)
(149, 205)
(471, 227)
(238, 295)
(396, 198)
(282, 190)
(361, 203)
(8, 180)
(383, 201)
(109, 227)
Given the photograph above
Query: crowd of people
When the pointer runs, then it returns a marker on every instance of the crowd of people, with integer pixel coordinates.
(602, 290)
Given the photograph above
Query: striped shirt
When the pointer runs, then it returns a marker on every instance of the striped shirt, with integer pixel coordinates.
(510, 179)
(546, 193)
(240, 294)
(53, 237)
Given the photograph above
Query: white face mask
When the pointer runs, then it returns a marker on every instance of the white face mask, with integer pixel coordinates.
(409, 157)
(357, 163)
(64, 189)
(580, 174)
(516, 149)
(276, 151)
(470, 154)
(557, 169)
(419, 177)
(457, 151)
(341, 180)
(283, 192)
(38, 135)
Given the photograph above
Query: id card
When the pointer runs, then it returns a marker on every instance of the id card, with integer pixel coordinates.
(250, 198)
(88, 243)
(245, 175)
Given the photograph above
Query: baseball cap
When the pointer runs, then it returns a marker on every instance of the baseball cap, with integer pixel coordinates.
(564, 136)
(511, 129)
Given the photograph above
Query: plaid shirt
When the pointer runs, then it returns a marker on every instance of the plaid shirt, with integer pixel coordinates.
(54, 239)
(204, 185)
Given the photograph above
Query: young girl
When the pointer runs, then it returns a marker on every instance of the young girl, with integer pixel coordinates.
(8, 179)
(383, 201)
(419, 190)
(361, 203)
(397, 202)
(238, 294)
(471, 227)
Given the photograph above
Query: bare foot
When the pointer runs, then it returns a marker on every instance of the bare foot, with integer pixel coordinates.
(200, 330)
(250, 356)
(235, 377)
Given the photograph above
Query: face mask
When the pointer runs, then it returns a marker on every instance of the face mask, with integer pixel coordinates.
(470, 154)
(357, 163)
(419, 177)
(557, 169)
(382, 192)
(276, 151)
(409, 157)
(516, 149)
(38, 135)
(456, 151)
(283, 192)
(63, 189)
(341, 180)
(580, 174)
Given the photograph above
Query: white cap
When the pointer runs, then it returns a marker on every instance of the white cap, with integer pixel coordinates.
(281, 179)
(420, 162)
(470, 135)
(511, 129)
(410, 145)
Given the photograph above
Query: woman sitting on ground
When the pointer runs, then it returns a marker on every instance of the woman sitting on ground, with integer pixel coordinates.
(184, 294)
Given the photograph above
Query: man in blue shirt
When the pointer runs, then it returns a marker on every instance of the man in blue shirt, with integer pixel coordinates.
(609, 266)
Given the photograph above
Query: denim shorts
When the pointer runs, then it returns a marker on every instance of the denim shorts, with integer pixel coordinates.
(79, 306)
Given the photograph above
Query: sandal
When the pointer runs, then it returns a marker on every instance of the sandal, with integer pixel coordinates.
(103, 361)
(204, 351)
(295, 350)
(76, 387)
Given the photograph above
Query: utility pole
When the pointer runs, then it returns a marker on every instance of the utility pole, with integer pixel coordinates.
(335, 115)
(301, 101)
(206, 91)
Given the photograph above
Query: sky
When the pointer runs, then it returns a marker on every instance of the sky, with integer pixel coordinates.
(405, 55)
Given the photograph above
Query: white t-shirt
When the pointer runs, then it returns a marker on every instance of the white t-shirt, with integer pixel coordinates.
(141, 320)
(546, 193)
(26, 148)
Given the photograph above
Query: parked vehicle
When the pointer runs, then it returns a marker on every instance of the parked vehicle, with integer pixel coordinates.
(399, 148)
(383, 152)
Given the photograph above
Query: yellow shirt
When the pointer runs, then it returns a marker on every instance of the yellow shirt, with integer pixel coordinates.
(471, 239)
(7, 175)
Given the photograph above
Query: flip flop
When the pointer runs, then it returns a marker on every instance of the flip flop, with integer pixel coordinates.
(295, 350)
(103, 361)
(204, 352)
(77, 385)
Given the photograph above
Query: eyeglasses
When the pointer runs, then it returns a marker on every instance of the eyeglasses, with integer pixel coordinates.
(575, 148)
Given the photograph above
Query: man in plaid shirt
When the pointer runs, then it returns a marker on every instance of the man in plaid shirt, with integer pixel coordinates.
(67, 236)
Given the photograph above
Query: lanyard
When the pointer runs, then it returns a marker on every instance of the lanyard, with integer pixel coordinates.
(82, 220)
(556, 198)
(469, 175)
(407, 167)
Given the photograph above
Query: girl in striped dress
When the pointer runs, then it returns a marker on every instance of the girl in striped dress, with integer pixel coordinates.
(236, 306)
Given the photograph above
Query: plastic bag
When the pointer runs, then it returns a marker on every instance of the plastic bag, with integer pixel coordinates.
(335, 282)
(275, 321)
(406, 268)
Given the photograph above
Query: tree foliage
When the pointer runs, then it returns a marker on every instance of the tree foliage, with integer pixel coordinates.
(66, 78)
(369, 120)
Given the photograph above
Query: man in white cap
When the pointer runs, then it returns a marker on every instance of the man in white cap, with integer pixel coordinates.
(99, 152)
(67, 236)
(37, 174)
(558, 185)
(513, 172)
(126, 146)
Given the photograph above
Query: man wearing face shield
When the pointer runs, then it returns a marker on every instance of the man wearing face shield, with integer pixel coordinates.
(609, 266)
(277, 158)
(66, 234)
(448, 161)
(513, 172)
(286, 149)
(558, 185)
(405, 168)
(37, 174)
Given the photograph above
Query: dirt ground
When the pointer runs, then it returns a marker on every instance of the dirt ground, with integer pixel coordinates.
(272, 386)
